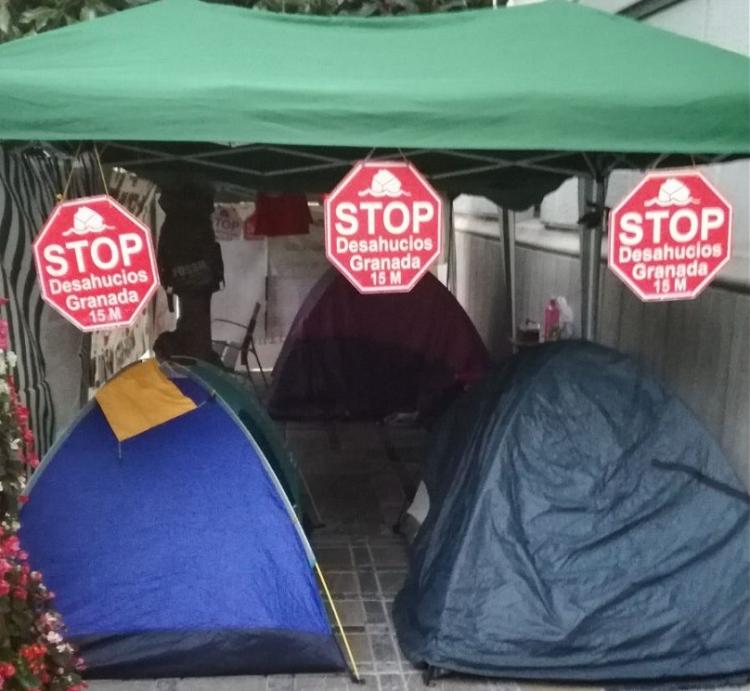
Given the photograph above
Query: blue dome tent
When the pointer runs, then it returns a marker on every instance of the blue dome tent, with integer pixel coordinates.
(174, 551)
(583, 526)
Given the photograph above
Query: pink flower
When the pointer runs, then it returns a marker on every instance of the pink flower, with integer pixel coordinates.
(11, 545)
(3, 301)
(22, 415)
(23, 500)
(19, 593)
(7, 670)
(3, 334)
(4, 588)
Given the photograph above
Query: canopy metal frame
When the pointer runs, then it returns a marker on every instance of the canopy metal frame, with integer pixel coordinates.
(541, 161)
(149, 159)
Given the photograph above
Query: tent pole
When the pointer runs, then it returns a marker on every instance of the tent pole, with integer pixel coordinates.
(508, 232)
(85, 383)
(352, 663)
(591, 257)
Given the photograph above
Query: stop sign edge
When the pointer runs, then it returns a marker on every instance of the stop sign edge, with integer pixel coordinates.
(151, 254)
(691, 295)
(330, 198)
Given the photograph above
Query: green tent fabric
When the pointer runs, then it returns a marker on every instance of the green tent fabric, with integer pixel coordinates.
(561, 87)
(551, 76)
(255, 419)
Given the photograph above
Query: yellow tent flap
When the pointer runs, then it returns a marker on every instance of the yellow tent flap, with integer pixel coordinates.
(140, 398)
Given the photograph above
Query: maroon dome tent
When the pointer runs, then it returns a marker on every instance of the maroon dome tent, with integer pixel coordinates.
(354, 356)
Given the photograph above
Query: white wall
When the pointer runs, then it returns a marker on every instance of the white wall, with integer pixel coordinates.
(608, 5)
(700, 348)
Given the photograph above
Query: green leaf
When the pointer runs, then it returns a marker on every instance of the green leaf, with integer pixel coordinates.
(24, 677)
(4, 17)
(39, 17)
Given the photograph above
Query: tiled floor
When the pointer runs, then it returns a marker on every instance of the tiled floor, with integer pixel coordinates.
(359, 476)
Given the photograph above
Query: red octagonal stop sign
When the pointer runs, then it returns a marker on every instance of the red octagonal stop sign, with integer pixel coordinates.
(383, 226)
(670, 236)
(95, 263)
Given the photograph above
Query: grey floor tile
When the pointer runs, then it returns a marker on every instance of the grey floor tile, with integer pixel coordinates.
(321, 682)
(374, 612)
(117, 685)
(391, 582)
(280, 682)
(415, 682)
(476, 684)
(334, 558)
(368, 584)
(383, 649)
(360, 647)
(369, 682)
(243, 683)
(394, 555)
(343, 583)
(351, 612)
(361, 556)
(392, 682)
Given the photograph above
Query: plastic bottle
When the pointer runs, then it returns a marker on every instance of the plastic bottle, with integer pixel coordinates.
(552, 321)
(567, 327)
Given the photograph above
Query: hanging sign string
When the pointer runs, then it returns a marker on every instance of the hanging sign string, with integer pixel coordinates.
(101, 170)
(62, 196)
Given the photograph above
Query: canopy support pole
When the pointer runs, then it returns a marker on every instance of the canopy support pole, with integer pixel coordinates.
(450, 233)
(591, 255)
(508, 232)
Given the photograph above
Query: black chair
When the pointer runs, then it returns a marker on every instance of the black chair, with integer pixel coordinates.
(228, 350)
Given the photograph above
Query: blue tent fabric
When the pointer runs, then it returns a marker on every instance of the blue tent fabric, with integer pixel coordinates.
(174, 553)
(583, 526)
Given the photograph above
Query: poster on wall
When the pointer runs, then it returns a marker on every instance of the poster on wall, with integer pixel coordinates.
(383, 226)
(95, 263)
(670, 237)
(245, 270)
(227, 222)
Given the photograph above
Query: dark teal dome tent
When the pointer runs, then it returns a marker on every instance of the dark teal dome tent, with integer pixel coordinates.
(582, 526)
(254, 417)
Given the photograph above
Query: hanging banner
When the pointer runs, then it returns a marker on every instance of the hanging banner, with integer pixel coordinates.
(670, 236)
(383, 226)
(227, 222)
(95, 262)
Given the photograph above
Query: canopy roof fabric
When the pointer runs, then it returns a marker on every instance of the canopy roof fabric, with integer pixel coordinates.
(554, 85)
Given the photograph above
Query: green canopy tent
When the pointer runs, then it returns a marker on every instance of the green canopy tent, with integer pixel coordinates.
(503, 103)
